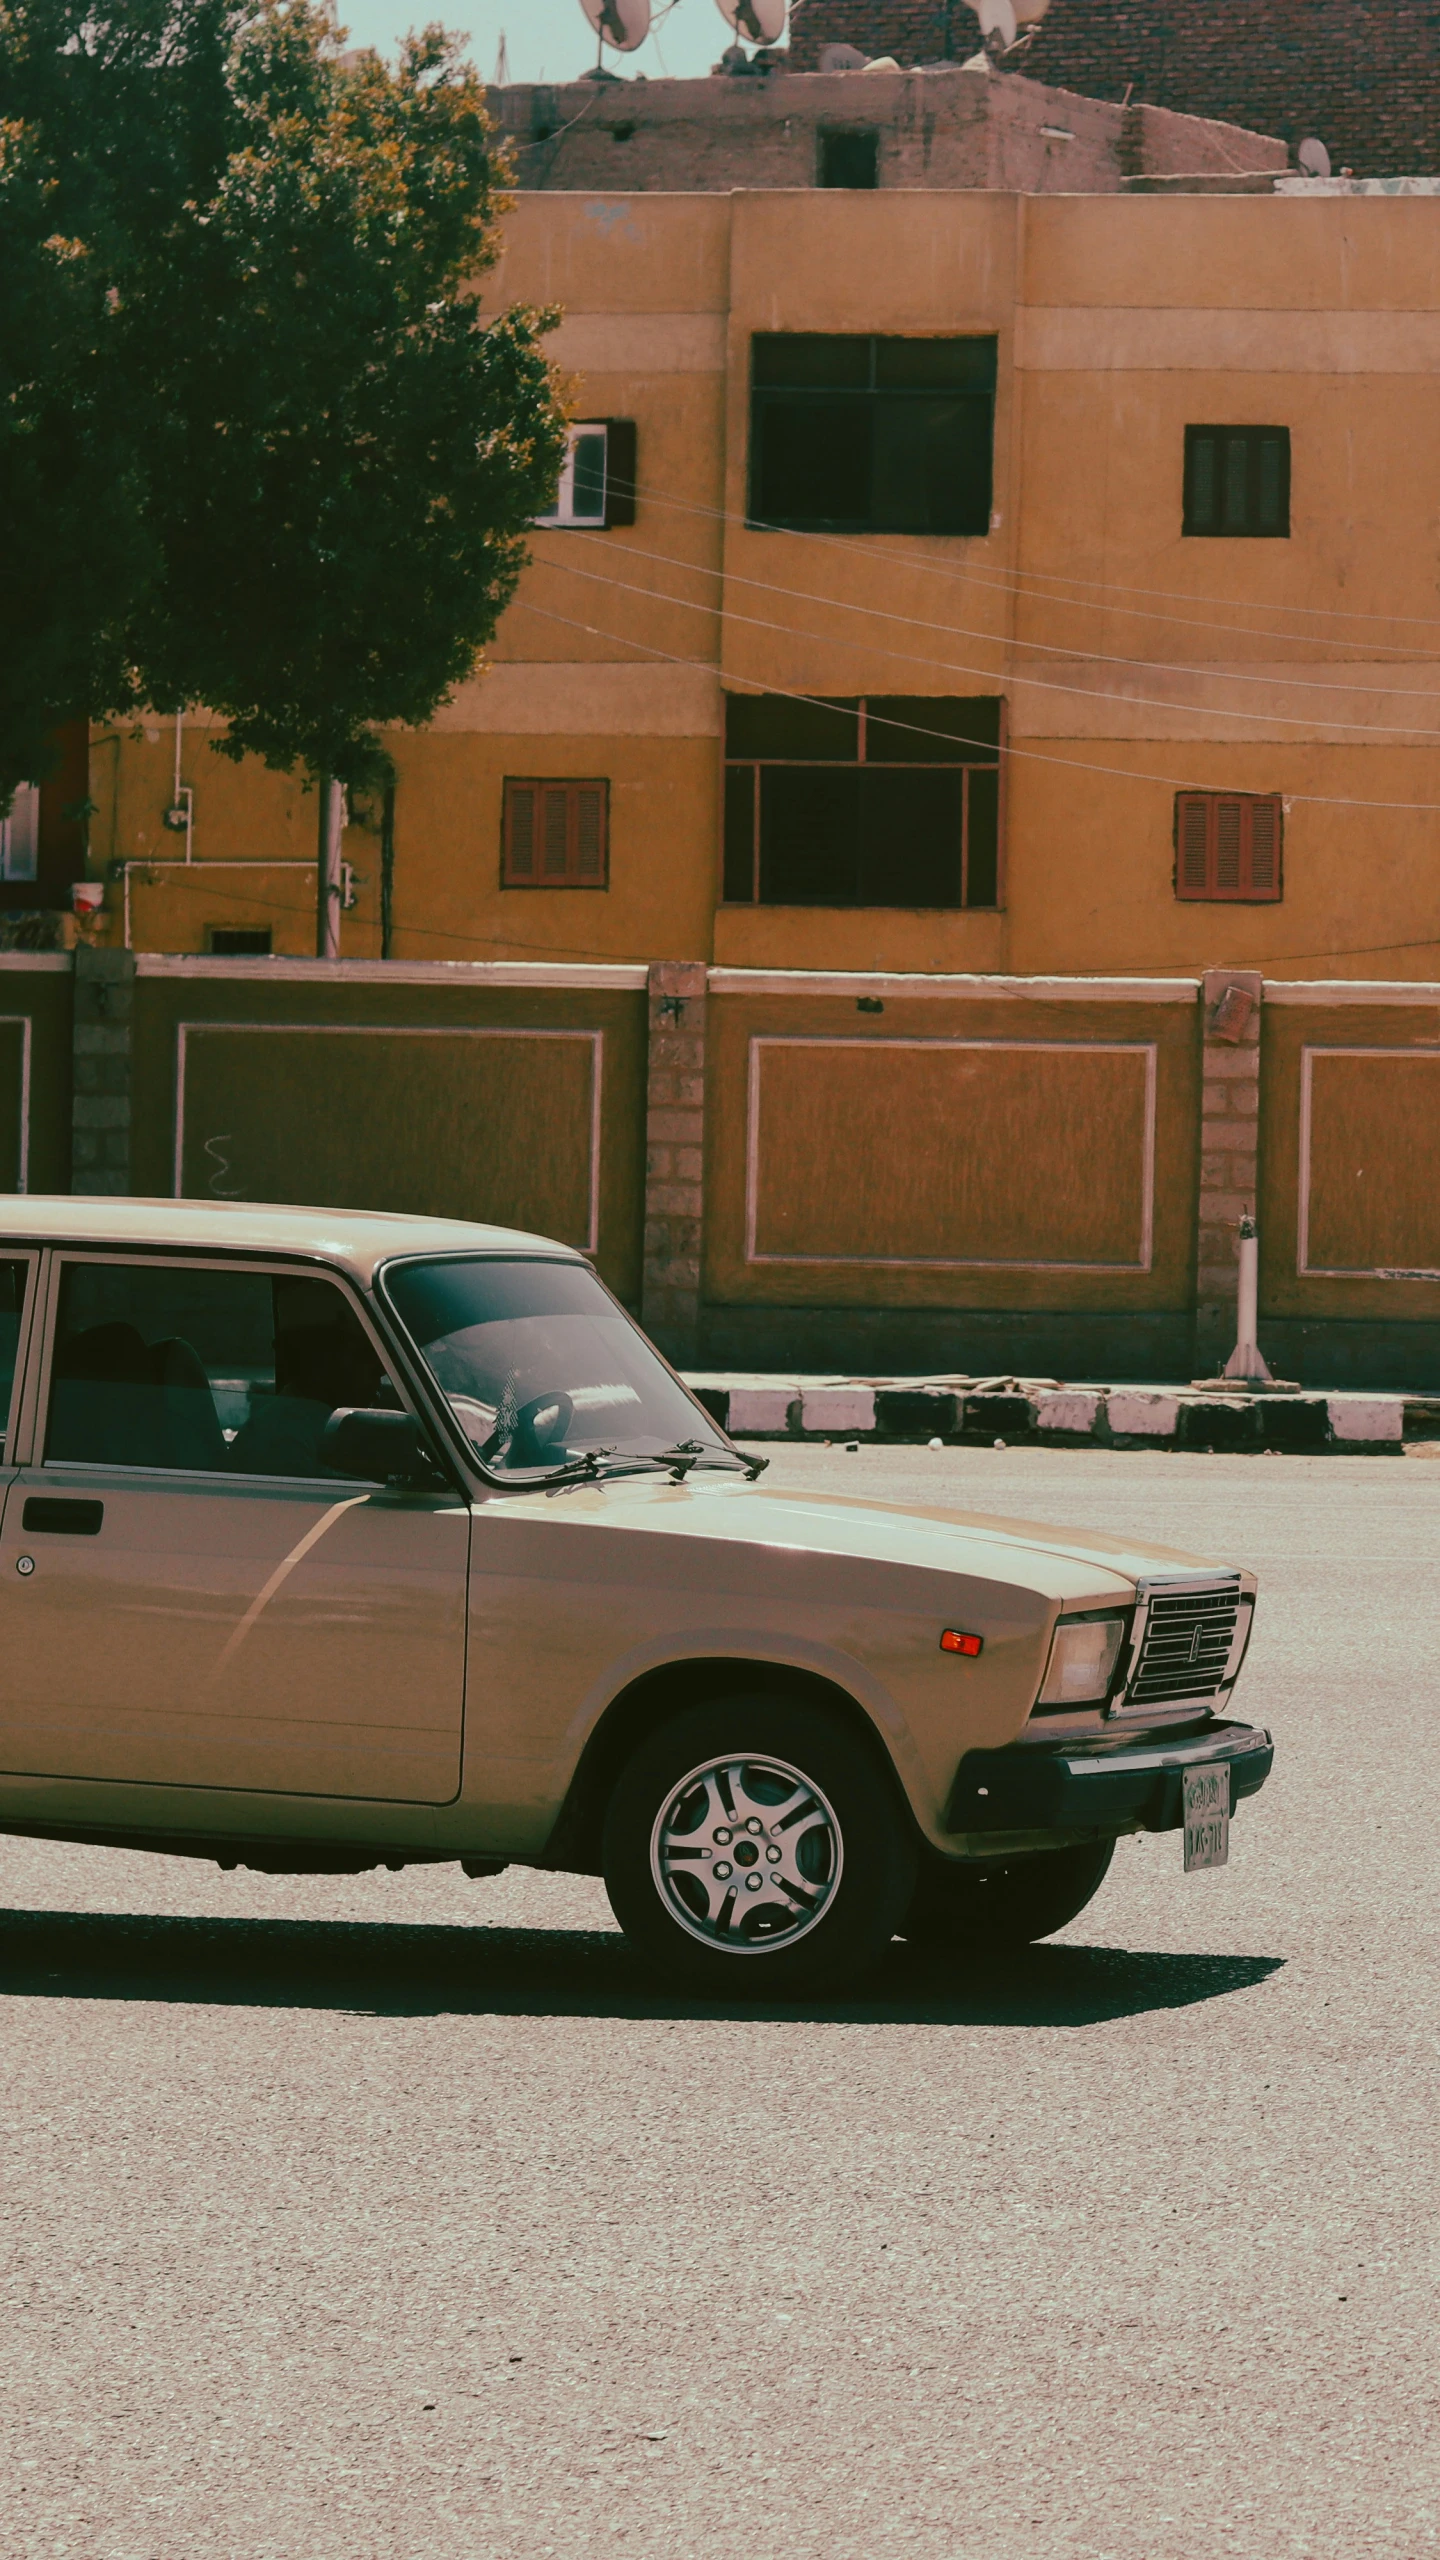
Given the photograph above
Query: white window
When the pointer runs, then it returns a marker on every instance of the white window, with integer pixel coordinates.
(20, 835)
(580, 498)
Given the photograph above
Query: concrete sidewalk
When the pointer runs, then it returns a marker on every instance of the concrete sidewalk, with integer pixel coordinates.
(1049, 1412)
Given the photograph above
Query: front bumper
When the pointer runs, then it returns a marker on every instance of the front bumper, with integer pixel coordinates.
(1099, 1786)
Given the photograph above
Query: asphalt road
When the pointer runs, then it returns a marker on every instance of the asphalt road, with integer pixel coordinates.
(399, 2219)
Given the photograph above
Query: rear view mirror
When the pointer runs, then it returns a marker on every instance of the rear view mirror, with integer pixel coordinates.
(378, 1447)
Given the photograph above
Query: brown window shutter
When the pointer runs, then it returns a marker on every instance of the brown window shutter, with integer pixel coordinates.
(1230, 832)
(620, 458)
(1193, 813)
(556, 834)
(519, 863)
(1264, 866)
(589, 832)
(1227, 844)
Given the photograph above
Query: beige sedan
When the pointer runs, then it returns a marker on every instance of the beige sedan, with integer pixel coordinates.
(333, 1541)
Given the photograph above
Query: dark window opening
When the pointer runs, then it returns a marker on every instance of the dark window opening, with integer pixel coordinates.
(239, 941)
(1237, 481)
(881, 800)
(1228, 845)
(849, 159)
(872, 435)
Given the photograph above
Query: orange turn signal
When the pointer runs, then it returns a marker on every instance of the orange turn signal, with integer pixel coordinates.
(955, 1640)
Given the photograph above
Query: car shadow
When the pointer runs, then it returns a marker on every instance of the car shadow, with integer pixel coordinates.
(396, 1971)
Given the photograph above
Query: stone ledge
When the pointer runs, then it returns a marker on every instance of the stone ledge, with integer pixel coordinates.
(1044, 1413)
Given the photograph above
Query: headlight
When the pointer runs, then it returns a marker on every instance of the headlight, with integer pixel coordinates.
(1082, 1661)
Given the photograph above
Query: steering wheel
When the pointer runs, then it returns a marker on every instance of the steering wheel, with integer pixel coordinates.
(530, 1447)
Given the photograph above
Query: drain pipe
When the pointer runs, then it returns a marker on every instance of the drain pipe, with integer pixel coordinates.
(181, 812)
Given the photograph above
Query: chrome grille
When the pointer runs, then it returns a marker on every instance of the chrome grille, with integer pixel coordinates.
(1185, 1645)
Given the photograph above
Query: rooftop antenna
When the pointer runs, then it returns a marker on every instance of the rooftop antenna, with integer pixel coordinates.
(622, 24)
(502, 64)
(761, 21)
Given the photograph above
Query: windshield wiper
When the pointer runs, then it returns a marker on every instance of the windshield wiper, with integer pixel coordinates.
(597, 1463)
(688, 1454)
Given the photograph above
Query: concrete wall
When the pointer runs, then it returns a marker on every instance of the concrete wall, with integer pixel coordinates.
(1133, 661)
(796, 1169)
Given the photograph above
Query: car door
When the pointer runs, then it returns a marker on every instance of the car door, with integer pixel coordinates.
(187, 1599)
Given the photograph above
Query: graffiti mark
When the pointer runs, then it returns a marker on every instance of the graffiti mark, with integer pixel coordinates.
(222, 1166)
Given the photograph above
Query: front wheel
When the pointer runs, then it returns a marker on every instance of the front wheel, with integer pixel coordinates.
(753, 1847)
(1005, 1902)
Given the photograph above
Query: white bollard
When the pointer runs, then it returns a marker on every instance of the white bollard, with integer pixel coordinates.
(1245, 1360)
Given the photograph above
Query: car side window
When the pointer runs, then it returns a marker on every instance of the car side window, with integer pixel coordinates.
(221, 1371)
(14, 1277)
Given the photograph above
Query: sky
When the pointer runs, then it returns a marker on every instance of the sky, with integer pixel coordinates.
(549, 39)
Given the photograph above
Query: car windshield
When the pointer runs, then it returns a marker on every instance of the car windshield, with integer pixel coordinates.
(540, 1367)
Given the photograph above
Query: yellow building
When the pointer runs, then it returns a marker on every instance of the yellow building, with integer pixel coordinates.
(1105, 526)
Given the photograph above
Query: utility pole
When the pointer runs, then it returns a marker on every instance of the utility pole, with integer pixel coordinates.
(327, 868)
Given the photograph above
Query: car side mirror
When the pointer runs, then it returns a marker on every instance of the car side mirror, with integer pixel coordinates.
(378, 1447)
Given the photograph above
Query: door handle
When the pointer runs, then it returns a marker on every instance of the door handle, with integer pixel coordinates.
(63, 1518)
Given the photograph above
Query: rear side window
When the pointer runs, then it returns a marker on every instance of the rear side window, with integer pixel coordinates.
(177, 1365)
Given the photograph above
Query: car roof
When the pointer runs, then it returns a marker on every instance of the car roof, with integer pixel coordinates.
(359, 1239)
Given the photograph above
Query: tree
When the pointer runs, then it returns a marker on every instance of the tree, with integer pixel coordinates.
(331, 453)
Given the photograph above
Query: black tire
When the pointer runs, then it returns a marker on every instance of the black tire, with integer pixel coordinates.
(842, 1852)
(1005, 1902)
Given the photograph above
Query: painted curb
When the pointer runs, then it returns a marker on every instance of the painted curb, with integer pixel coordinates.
(1046, 1413)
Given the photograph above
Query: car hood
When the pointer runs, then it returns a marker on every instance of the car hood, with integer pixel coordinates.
(1065, 1563)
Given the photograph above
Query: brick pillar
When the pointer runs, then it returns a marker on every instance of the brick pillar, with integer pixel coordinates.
(100, 1070)
(674, 1156)
(1229, 1153)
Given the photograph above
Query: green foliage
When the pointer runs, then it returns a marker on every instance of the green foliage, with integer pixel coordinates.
(313, 456)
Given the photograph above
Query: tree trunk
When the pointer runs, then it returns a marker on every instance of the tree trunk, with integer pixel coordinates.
(327, 869)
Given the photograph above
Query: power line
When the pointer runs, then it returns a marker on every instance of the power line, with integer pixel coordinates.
(988, 675)
(994, 573)
(561, 951)
(1050, 648)
(1025, 755)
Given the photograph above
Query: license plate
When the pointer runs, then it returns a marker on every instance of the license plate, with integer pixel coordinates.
(1207, 1817)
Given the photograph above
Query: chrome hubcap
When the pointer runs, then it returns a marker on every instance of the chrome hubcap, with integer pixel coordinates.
(746, 1854)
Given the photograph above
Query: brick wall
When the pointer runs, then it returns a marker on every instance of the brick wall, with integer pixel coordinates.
(683, 135)
(1366, 80)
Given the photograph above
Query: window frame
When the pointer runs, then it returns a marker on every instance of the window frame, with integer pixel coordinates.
(763, 397)
(572, 785)
(999, 765)
(14, 1414)
(37, 1415)
(1255, 437)
(617, 505)
(27, 793)
(1245, 894)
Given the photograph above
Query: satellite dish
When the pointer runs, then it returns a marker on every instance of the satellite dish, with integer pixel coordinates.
(622, 24)
(842, 57)
(762, 21)
(997, 18)
(1314, 159)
